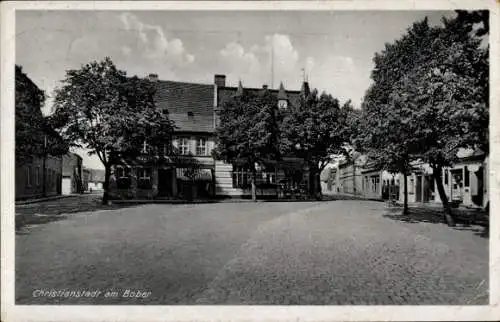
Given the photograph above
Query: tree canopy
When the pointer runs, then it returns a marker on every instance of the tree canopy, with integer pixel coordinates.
(34, 135)
(429, 98)
(101, 109)
(248, 131)
(315, 130)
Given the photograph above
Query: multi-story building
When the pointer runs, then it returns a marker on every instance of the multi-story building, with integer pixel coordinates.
(194, 172)
(95, 180)
(72, 174)
(38, 174)
(31, 177)
(464, 183)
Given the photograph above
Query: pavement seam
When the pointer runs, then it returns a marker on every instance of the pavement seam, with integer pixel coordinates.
(204, 298)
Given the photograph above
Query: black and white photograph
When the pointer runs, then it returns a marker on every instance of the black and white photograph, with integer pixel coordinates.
(249, 157)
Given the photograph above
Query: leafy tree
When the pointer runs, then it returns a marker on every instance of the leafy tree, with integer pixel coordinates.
(428, 100)
(248, 131)
(448, 98)
(315, 131)
(475, 21)
(383, 133)
(34, 136)
(386, 139)
(101, 109)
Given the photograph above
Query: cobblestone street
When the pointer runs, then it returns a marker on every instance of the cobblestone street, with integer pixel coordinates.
(333, 253)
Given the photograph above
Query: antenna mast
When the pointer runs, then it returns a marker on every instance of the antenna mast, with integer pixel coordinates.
(272, 65)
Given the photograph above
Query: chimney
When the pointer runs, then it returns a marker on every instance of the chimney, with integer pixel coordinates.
(264, 86)
(220, 80)
(153, 77)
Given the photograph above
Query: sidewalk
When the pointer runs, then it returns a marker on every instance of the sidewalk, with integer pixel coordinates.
(38, 200)
(463, 214)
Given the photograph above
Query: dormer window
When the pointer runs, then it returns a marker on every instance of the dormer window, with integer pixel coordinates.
(282, 104)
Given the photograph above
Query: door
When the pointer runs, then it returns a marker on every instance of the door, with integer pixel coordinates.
(428, 188)
(165, 182)
(456, 185)
(418, 188)
(477, 195)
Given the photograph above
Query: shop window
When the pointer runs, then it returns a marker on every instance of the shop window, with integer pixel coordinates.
(241, 177)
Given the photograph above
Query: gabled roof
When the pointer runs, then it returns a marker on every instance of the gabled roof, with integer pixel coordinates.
(282, 93)
(305, 90)
(225, 93)
(181, 98)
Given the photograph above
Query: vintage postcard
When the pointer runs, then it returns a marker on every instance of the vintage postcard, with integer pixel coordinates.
(299, 160)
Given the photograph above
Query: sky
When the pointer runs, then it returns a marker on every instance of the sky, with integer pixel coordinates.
(333, 49)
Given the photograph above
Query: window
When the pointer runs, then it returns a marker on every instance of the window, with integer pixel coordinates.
(123, 179)
(269, 176)
(201, 146)
(446, 176)
(241, 177)
(120, 172)
(466, 176)
(28, 176)
(37, 176)
(183, 146)
(144, 173)
(144, 178)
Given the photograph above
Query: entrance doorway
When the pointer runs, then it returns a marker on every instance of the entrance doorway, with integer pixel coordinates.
(478, 192)
(165, 182)
(456, 185)
(418, 189)
(428, 188)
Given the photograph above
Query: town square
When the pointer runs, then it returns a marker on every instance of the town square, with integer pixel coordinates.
(252, 157)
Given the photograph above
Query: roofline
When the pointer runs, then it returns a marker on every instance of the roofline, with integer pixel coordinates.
(194, 132)
(179, 82)
(229, 87)
(259, 89)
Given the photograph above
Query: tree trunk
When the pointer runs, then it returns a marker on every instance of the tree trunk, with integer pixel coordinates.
(107, 174)
(448, 214)
(254, 188)
(310, 184)
(317, 185)
(405, 194)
